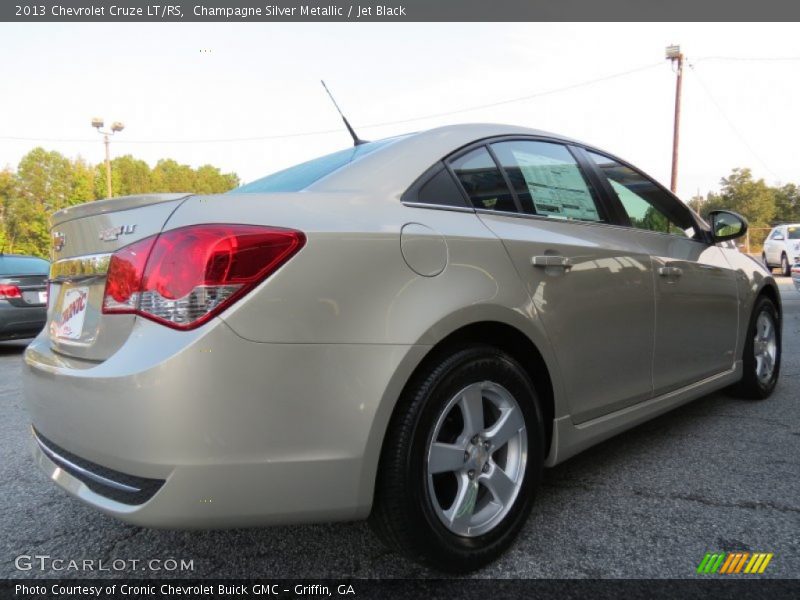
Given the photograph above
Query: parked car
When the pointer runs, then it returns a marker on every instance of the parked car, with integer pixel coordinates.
(23, 296)
(408, 330)
(782, 248)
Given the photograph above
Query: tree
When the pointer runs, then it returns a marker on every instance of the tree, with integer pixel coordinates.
(46, 182)
(755, 200)
(787, 203)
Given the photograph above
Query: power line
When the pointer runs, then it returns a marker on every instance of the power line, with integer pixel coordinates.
(369, 126)
(748, 58)
(730, 123)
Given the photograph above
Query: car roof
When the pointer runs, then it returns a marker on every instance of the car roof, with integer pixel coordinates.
(396, 166)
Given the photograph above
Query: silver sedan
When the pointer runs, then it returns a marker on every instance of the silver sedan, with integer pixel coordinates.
(408, 331)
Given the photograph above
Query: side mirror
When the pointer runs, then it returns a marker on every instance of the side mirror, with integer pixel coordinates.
(778, 238)
(727, 225)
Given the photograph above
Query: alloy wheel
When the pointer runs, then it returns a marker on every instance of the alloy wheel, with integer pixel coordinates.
(476, 458)
(765, 347)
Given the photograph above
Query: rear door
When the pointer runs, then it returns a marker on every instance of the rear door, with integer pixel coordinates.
(592, 289)
(697, 301)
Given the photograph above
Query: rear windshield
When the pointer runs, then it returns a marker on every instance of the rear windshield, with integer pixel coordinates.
(793, 232)
(23, 265)
(301, 176)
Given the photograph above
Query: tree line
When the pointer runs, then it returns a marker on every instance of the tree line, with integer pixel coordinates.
(762, 205)
(47, 181)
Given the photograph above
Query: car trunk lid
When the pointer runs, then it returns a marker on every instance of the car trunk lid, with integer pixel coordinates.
(84, 238)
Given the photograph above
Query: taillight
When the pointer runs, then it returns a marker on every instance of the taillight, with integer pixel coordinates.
(9, 291)
(184, 277)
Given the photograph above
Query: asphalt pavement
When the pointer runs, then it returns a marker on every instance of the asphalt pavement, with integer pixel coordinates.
(719, 474)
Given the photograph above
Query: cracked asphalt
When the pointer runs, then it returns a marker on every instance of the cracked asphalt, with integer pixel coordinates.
(719, 474)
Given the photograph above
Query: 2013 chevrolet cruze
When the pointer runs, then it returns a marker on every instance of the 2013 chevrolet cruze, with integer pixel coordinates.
(410, 330)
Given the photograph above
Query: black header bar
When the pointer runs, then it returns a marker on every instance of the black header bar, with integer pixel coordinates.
(127, 11)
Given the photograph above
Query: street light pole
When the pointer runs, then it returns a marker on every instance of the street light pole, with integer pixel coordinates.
(675, 55)
(116, 126)
(108, 165)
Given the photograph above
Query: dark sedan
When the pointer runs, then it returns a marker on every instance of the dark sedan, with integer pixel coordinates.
(23, 296)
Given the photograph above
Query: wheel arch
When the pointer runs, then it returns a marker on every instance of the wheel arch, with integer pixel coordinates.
(509, 337)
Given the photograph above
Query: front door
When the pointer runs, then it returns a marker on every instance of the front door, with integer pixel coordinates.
(696, 293)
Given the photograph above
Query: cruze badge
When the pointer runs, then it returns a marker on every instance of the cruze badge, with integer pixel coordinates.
(59, 239)
(113, 233)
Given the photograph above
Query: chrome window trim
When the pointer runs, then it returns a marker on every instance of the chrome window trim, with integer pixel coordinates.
(449, 207)
(80, 267)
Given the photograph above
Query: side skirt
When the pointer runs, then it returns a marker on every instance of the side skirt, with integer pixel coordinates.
(570, 439)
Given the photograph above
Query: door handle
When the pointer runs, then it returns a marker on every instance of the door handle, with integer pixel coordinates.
(552, 261)
(670, 271)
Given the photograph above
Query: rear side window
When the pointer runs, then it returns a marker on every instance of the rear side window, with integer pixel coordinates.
(547, 180)
(441, 189)
(793, 232)
(483, 181)
(23, 265)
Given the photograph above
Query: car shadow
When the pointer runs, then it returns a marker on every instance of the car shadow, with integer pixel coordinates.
(13, 347)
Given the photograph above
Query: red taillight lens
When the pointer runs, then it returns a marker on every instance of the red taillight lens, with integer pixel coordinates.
(185, 276)
(9, 291)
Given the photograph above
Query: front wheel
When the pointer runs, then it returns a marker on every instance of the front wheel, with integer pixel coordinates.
(762, 352)
(461, 461)
(786, 268)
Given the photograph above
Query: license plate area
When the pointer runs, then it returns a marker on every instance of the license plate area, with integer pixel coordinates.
(69, 317)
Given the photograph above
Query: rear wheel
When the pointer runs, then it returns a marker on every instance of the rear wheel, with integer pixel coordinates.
(786, 268)
(461, 460)
(762, 352)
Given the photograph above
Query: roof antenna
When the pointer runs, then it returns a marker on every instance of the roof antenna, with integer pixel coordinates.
(357, 141)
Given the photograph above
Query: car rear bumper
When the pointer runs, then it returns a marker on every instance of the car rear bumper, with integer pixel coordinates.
(228, 431)
(17, 322)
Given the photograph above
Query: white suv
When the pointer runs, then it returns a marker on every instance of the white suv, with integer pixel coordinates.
(782, 248)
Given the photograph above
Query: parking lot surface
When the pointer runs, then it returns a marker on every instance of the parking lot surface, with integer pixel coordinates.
(719, 474)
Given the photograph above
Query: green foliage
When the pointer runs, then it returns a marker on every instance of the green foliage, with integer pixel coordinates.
(46, 182)
(760, 204)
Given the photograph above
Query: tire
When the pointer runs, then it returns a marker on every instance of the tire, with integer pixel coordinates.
(447, 520)
(758, 382)
(786, 268)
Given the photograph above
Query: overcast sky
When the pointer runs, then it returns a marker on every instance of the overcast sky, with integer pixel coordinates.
(179, 86)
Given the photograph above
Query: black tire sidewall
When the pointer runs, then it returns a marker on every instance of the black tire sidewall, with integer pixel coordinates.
(455, 552)
(751, 381)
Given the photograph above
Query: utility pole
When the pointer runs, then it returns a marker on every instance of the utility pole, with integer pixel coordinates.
(116, 126)
(675, 55)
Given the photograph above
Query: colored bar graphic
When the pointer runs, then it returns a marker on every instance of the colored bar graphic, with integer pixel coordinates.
(734, 562)
(764, 564)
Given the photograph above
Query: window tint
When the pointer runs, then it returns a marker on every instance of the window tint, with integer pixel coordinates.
(23, 265)
(776, 233)
(547, 180)
(646, 204)
(441, 189)
(483, 181)
(303, 175)
(793, 232)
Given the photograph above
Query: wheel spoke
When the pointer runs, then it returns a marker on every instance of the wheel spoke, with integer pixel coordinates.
(445, 457)
(507, 426)
(501, 486)
(472, 409)
(460, 513)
